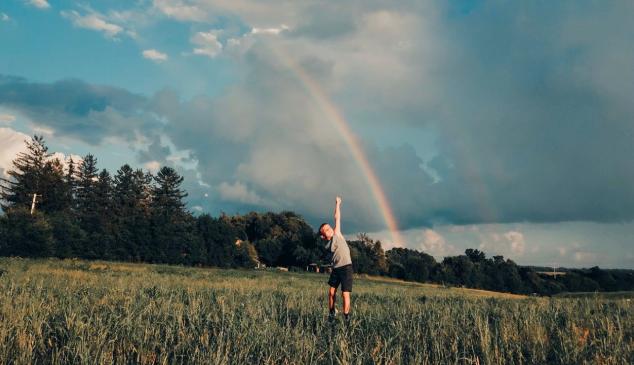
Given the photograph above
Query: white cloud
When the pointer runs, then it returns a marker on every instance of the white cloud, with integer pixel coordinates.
(94, 21)
(271, 31)
(208, 44)
(152, 166)
(40, 4)
(7, 118)
(511, 243)
(154, 55)
(40, 129)
(238, 192)
(11, 143)
(516, 240)
(180, 11)
(4, 17)
(65, 159)
(433, 243)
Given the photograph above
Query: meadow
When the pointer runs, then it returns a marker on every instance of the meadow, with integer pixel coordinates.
(72, 311)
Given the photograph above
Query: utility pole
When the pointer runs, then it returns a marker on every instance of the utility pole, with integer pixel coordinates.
(33, 203)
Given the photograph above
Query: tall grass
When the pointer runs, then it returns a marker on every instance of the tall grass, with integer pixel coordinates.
(64, 312)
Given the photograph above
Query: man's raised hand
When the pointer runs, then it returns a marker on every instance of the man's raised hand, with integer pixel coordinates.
(337, 216)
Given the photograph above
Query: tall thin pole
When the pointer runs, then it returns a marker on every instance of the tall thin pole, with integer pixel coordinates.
(33, 203)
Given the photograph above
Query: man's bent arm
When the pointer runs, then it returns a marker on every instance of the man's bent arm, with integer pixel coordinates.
(338, 216)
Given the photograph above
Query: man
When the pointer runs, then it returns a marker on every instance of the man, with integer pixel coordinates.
(341, 263)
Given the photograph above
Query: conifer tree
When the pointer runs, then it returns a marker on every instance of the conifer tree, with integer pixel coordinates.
(53, 188)
(86, 194)
(172, 225)
(71, 183)
(131, 199)
(103, 230)
(167, 196)
(25, 176)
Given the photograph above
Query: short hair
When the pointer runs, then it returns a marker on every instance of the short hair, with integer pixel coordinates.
(321, 226)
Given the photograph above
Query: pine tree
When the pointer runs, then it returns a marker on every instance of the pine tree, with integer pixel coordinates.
(167, 195)
(26, 175)
(53, 188)
(71, 183)
(172, 225)
(86, 194)
(131, 201)
(103, 199)
(103, 232)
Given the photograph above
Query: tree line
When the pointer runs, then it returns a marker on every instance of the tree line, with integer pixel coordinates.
(73, 209)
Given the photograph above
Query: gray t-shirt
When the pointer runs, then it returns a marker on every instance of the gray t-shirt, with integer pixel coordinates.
(340, 251)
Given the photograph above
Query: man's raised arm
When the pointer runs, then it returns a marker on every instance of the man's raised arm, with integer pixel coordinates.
(338, 215)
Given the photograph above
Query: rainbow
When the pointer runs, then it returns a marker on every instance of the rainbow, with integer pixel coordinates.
(329, 109)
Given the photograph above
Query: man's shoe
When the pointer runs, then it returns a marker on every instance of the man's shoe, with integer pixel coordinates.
(347, 319)
(332, 316)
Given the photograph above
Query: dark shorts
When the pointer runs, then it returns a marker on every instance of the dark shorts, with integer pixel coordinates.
(341, 275)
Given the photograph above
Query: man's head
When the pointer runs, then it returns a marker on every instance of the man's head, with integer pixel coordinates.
(326, 232)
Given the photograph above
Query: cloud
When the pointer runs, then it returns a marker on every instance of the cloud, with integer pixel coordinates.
(11, 143)
(529, 117)
(155, 55)
(208, 44)
(93, 21)
(180, 10)
(271, 31)
(516, 239)
(327, 21)
(77, 109)
(238, 192)
(509, 244)
(40, 4)
(152, 166)
(4, 17)
(433, 243)
(65, 159)
(42, 130)
(7, 118)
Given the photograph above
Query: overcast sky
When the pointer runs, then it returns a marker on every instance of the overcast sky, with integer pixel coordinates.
(500, 125)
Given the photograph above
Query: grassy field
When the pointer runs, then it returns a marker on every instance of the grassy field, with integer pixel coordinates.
(97, 312)
(599, 295)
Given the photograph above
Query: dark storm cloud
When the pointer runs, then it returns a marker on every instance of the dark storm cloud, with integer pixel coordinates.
(531, 107)
(537, 126)
(73, 107)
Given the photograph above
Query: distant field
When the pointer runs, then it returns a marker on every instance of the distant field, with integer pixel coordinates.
(99, 312)
(606, 295)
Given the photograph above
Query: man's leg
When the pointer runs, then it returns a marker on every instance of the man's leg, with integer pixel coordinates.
(346, 301)
(346, 289)
(346, 306)
(332, 293)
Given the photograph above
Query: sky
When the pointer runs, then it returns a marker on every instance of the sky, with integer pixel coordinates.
(498, 125)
